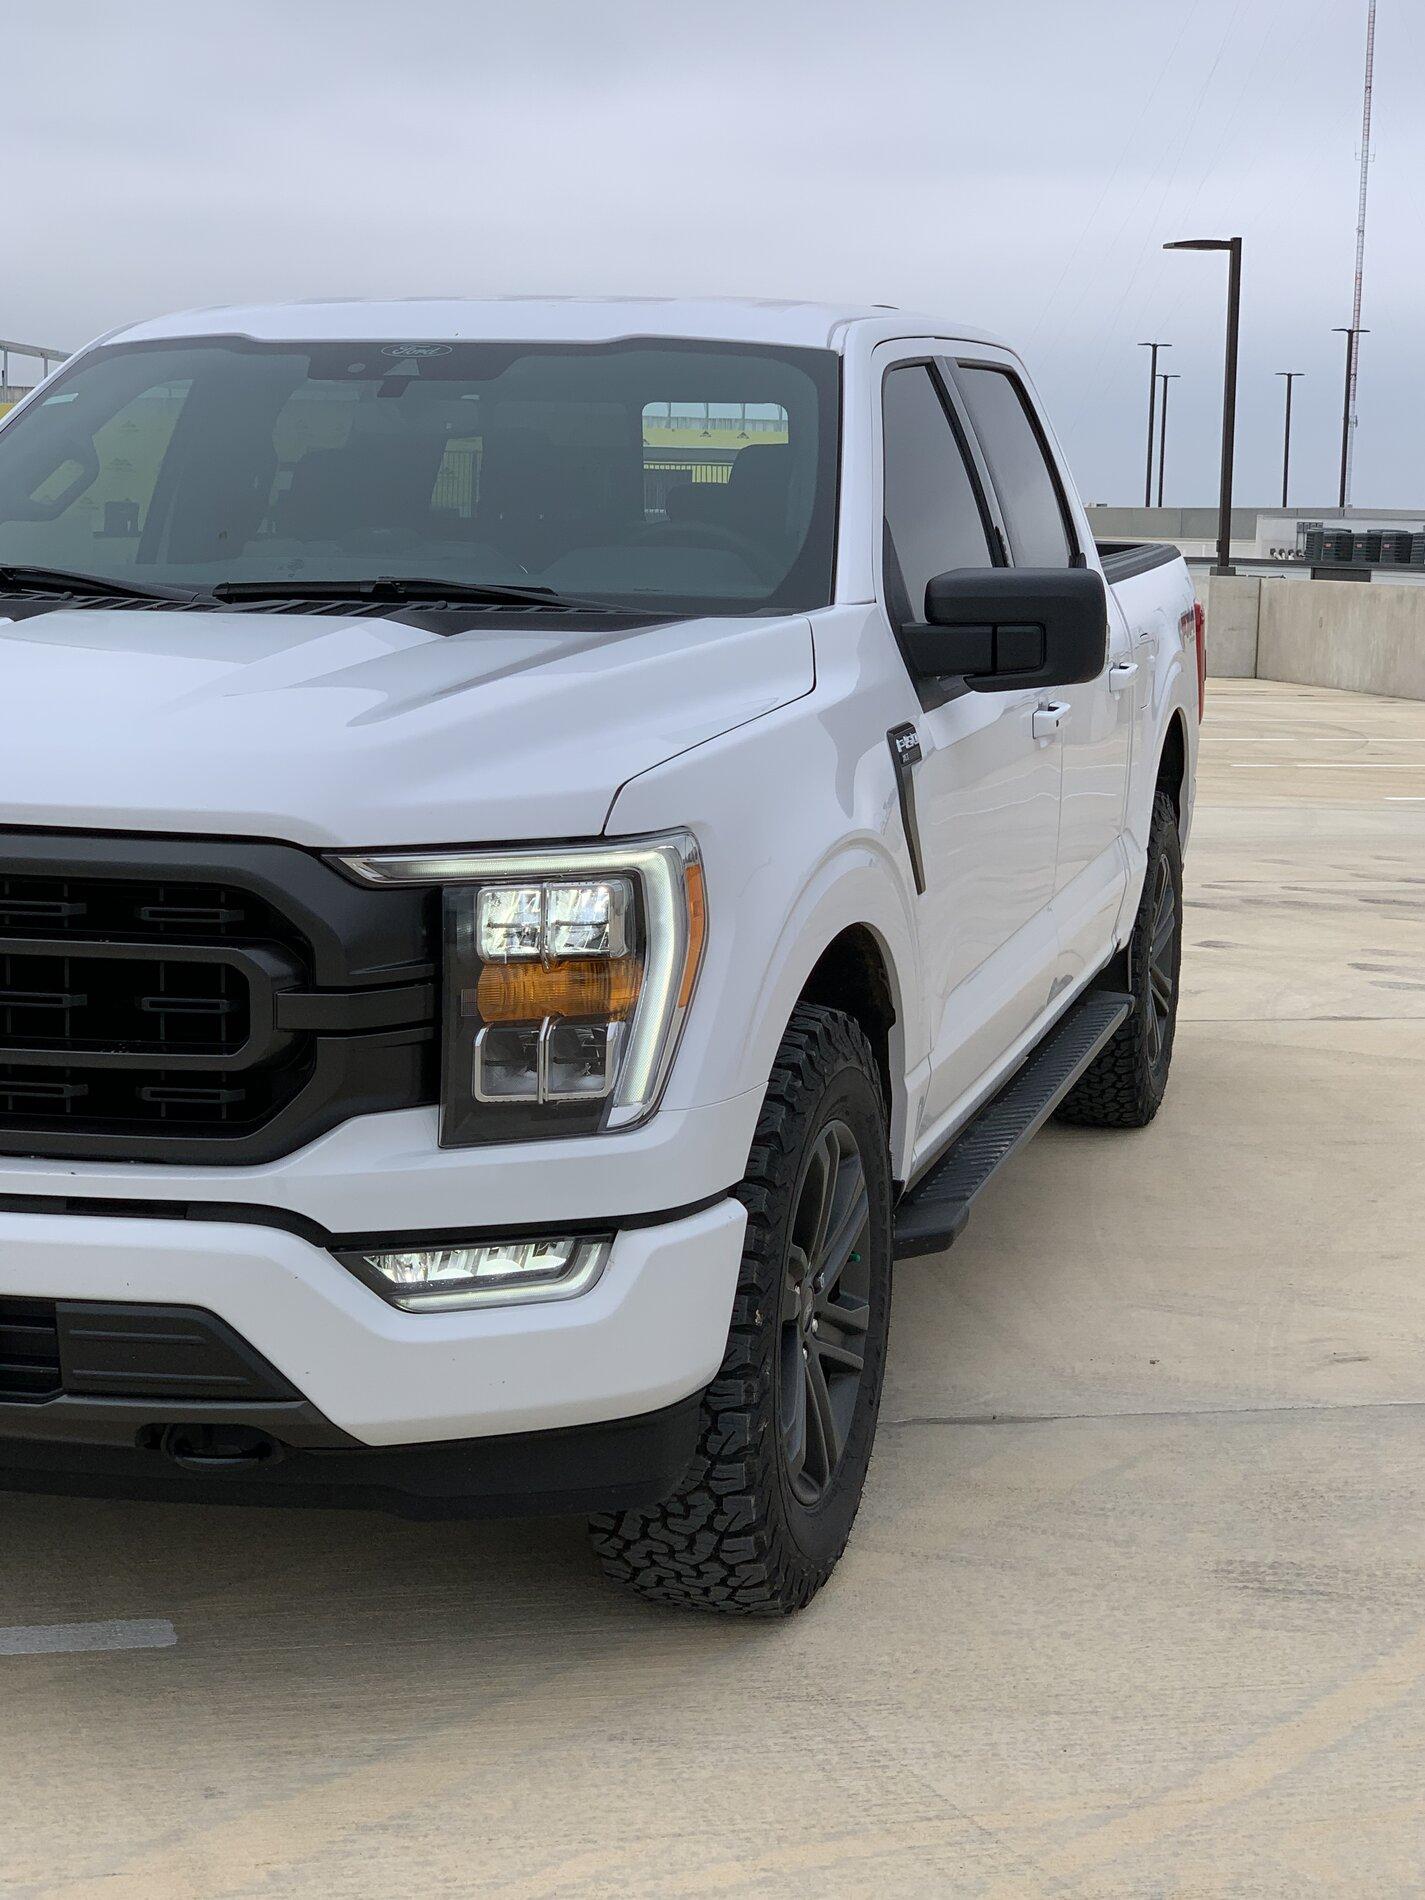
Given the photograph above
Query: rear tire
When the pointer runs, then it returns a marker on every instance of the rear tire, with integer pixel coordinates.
(1124, 1086)
(763, 1514)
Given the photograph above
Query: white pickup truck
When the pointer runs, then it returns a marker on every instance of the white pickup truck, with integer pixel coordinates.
(541, 845)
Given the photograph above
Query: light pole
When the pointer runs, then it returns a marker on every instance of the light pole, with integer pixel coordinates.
(1353, 361)
(1291, 375)
(1350, 331)
(1168, 376)
(1152, 415)
(1233, 248)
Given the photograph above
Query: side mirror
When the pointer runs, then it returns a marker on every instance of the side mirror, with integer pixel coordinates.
(1002, 627)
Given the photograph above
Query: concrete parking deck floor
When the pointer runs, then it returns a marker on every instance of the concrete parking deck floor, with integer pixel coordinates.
(1135, 1603)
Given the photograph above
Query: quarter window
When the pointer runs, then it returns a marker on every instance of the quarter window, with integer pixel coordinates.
(932, 510)
(1028, 489)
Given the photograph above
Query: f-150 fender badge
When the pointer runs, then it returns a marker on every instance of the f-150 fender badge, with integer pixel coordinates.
(904, 742)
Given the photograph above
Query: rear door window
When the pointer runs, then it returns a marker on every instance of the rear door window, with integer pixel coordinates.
(1030, 496)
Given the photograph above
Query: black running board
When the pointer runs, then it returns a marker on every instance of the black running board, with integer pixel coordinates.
(935, 1211)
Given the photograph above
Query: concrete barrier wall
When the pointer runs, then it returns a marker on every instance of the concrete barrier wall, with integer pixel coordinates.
(1358, 637)
(1364, 639)
(1232, 603)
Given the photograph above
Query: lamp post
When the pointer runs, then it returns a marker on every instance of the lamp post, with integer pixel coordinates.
(1291, 375)
(1152, 416)
(1233, 248)
(1350, 331)
(1167, 376)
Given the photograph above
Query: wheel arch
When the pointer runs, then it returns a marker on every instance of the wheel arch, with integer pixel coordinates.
(848, 945)
(1173, 764)
(852, 975)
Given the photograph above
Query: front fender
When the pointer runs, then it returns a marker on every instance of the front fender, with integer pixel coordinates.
(801, 839)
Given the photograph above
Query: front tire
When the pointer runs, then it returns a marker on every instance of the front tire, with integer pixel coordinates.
(763, 1514)
(1124, 1086)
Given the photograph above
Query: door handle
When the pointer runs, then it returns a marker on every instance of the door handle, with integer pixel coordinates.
(1120, 675)
(1048, 719)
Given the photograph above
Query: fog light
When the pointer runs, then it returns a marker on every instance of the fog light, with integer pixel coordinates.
(485, 1273)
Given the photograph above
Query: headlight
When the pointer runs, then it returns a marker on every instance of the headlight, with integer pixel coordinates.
(567, 975)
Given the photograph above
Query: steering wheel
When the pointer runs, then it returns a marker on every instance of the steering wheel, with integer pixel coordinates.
(399, 541)
(708, 534)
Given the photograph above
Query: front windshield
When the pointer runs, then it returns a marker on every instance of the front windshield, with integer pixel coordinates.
(695, 476)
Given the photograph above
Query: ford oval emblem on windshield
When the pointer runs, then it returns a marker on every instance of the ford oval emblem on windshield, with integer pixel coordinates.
(416, 349)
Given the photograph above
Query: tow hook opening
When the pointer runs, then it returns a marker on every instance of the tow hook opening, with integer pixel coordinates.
(213, 1448)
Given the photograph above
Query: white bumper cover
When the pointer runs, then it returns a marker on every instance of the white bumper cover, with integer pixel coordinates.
(651, 1332)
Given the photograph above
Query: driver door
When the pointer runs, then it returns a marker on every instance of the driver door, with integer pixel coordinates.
(987, 790)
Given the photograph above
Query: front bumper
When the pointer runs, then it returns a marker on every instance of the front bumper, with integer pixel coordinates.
(610, 1467)
(649, 1334)
(388, 1174)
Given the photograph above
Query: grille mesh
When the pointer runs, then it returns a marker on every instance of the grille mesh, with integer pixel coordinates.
(119, 1010)
(137, 911)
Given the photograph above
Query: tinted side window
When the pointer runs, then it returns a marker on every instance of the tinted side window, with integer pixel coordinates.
(1027, 487)
(933, 519)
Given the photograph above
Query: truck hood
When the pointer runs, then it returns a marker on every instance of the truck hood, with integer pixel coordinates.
(356, 731)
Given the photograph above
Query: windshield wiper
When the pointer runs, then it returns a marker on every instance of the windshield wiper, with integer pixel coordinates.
(58, 580)
(414, 588)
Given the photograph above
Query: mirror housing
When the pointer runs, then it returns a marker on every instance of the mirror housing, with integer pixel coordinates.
(1003, 627)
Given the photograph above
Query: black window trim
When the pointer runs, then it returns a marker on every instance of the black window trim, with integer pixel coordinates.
(953, 365)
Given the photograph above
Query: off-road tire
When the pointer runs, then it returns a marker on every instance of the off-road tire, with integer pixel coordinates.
(1124, 1086)
(734, 1538)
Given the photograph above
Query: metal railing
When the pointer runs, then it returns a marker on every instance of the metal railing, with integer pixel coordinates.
(35, 352)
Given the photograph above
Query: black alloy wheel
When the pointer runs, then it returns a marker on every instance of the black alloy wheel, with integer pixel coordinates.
(825, 1312)
(1163, 960)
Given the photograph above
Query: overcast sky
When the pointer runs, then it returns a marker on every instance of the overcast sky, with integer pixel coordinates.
(1015, 164)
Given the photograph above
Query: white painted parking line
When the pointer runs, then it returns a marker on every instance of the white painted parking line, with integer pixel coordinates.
(1306, 738)
(74, 1639)
(1405, 798)
(1319, 765)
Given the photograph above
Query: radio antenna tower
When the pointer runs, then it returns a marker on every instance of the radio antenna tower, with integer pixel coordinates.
(1350, 455)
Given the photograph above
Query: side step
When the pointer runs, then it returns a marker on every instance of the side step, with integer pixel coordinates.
(936, 1209)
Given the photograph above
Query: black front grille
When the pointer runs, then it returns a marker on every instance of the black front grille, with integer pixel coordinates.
(29, 1351)
(143, 1006)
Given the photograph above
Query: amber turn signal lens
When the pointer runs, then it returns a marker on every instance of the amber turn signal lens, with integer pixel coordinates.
(697, 929)
(604, 989)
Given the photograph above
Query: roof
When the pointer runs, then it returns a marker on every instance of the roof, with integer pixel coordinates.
(551, 319)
